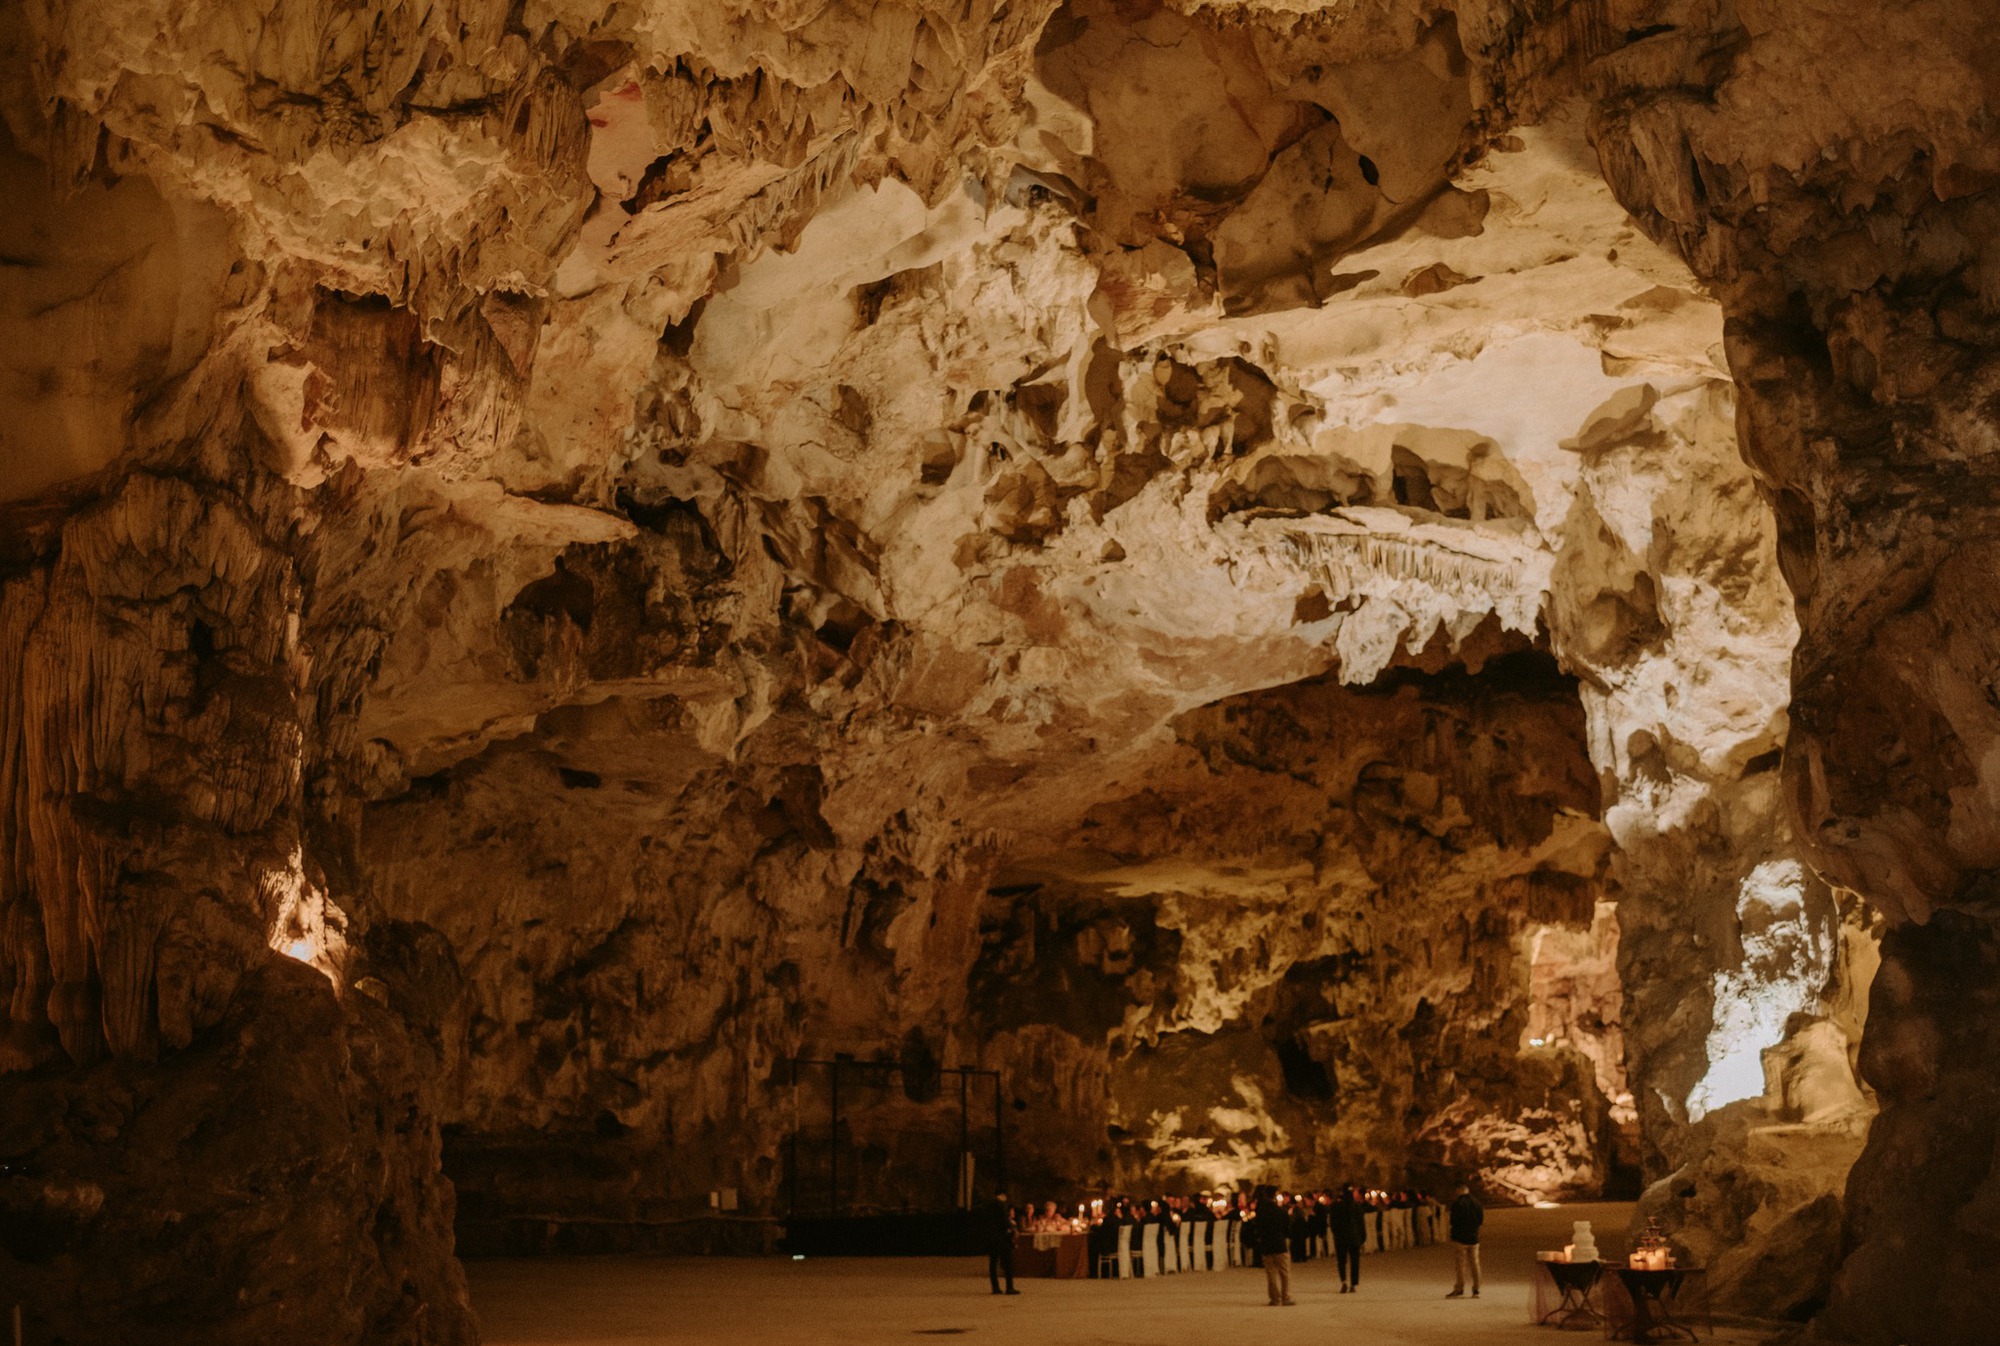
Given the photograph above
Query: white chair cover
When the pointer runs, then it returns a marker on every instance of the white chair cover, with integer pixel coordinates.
(1233, 1243)
(1176, 1246)
(1124, 1267)
(1149, 1236)
(1213, 1260)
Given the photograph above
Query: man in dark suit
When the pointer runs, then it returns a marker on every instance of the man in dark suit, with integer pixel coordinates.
(996, 1230)
(1350, 1231)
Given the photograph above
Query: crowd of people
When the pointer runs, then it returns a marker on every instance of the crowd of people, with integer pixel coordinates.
(1278, 1229)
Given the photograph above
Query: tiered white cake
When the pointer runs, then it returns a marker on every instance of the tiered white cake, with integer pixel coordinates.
(1583, 1246)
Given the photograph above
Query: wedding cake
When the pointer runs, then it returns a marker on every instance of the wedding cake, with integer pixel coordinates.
(1583, 1247)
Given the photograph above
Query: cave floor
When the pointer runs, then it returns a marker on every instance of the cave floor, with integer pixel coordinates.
(654, 1301)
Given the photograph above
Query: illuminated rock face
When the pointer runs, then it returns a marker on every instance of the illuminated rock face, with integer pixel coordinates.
(1197, 558)
(1854, 249)
(1295, 947)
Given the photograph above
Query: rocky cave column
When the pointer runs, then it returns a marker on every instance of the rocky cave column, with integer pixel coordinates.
(1668, 601)
(1852, 229)
(204, 1138)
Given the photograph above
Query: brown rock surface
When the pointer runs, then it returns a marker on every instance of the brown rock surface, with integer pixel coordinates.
(283, 1150)
(1193, 555)
(1853, 247)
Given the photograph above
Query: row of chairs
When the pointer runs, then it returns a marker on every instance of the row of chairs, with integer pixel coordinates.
(1205, 1246)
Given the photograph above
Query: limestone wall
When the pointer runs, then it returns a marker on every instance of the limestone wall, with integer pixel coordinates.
(1200, 556)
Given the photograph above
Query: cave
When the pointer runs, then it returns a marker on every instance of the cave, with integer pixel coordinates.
(693, 637)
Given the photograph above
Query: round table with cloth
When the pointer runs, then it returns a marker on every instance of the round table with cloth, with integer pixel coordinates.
(1564, 1294)
(1670, 1305)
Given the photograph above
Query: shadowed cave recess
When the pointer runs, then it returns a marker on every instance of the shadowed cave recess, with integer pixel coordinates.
(1391, 591)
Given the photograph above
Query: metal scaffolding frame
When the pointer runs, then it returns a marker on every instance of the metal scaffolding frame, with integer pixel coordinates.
(834, 1067)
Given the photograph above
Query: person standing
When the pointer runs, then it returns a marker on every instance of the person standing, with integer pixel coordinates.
(1466, 1217)
(1350, 1230)
(997, 1232)
(1271, 1232)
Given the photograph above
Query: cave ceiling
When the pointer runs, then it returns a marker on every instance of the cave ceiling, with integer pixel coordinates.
(1379, 587)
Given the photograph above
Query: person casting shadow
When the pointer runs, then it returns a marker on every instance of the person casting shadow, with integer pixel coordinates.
(997, 1233)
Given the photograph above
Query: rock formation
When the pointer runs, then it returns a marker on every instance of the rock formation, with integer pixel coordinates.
(1201, 557)
(1853, 247)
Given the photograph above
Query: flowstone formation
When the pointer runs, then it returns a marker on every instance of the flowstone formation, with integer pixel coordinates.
(562, 559)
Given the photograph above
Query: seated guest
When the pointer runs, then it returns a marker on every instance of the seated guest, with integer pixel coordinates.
(1103, 1241)
(1148, 1214)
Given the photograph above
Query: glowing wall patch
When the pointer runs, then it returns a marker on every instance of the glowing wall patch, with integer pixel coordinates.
(1786, 958)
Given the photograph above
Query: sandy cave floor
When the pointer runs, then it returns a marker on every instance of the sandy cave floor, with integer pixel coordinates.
(653, 1301)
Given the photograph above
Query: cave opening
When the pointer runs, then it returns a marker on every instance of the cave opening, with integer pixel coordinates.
(1191, 1007)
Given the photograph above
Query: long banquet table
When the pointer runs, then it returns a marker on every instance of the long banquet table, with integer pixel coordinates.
(1058, 1256)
